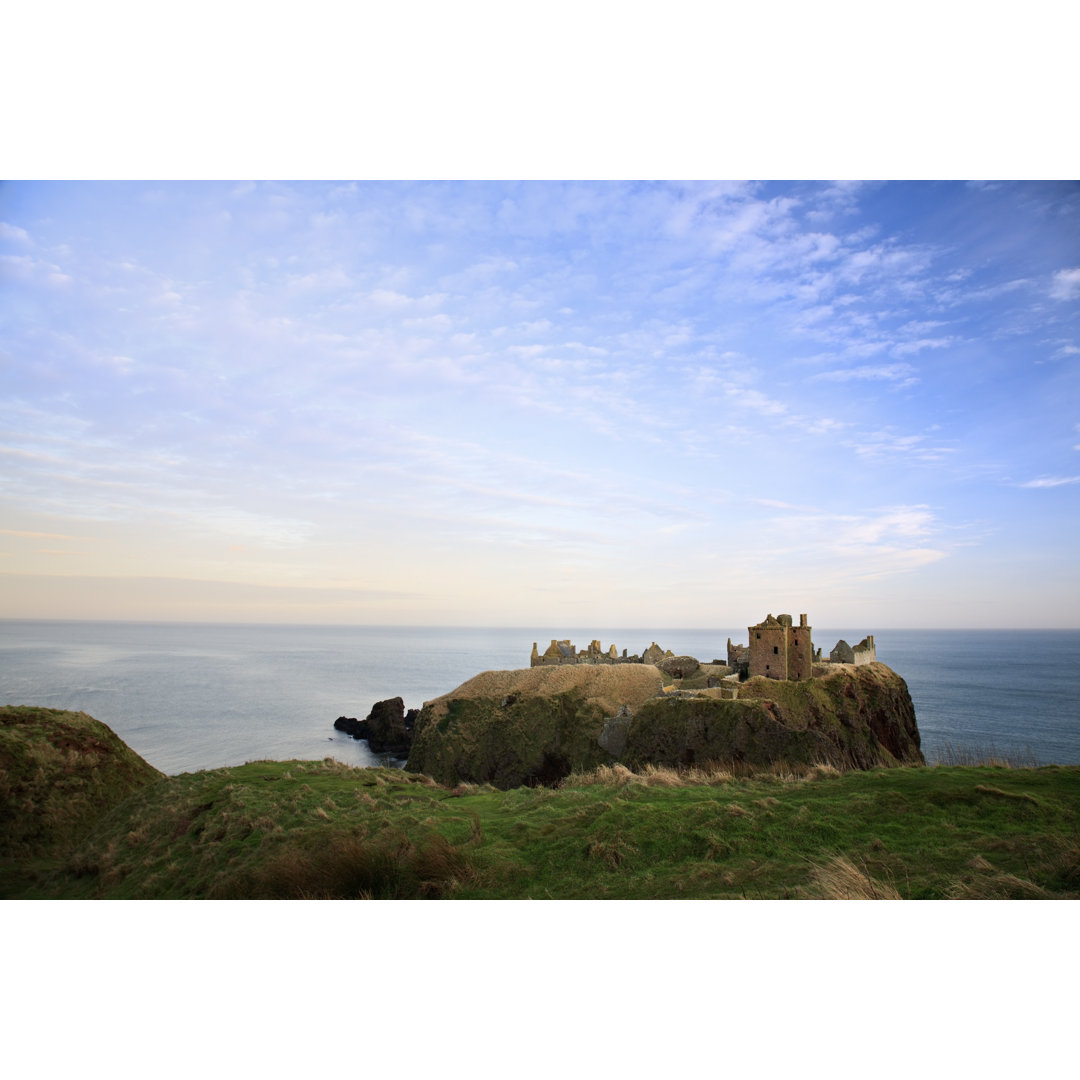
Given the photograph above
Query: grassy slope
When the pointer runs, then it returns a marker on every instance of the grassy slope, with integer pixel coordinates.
(297, 829)
(59, 772)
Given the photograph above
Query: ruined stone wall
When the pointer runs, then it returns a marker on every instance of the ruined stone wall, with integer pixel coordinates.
(865, 652)
(561, 651)
(842, 653)
(769, 650)
(801, 651)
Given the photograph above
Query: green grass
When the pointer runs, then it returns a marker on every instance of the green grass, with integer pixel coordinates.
(59, 772)
(323, 829)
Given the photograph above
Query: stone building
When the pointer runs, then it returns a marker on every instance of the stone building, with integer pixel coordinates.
(863, 653)
(654, 654)
(780, 650)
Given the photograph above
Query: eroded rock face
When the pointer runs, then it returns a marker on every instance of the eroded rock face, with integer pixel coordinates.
(528, 726)
(853, 717)
(535, 726)
(387, 728)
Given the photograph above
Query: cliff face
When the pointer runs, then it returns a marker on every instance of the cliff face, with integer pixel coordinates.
(855, 717)
(537, 725)
(530, 726)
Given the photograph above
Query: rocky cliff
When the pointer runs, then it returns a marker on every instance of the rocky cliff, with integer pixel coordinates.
(535, 726)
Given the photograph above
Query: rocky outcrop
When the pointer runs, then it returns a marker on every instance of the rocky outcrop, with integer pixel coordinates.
(535, 726)
(678, 667)
(529, 726)
(387, 728)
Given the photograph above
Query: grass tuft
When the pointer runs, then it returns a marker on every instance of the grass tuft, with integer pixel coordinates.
(841, 879)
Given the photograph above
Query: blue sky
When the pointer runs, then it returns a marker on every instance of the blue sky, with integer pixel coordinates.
(642, 404)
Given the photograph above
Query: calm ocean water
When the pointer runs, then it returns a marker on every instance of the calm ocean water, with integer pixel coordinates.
(197, 696)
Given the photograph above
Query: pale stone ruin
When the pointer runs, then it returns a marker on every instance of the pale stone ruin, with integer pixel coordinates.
(563, 652)
(778, 649)
(843, 653)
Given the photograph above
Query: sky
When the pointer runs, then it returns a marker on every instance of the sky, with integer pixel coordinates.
(541, 403)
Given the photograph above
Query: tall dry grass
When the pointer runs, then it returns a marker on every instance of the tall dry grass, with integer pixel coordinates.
(841, 879)
(707, 773)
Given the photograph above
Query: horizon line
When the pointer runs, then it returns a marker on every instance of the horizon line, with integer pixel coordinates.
(478, 626)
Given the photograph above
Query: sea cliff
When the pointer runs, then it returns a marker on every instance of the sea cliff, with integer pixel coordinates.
(538, 725)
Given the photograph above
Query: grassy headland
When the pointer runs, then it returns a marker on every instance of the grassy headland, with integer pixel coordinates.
(324, 830)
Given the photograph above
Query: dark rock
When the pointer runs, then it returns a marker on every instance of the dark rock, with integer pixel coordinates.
(387, 728)
(350, 725)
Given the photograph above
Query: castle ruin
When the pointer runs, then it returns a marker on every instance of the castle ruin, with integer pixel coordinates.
(778, 649)
(863, 653)
(561, 651)
(781, 650)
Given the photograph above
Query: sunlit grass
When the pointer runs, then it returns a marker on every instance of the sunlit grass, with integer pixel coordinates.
(323, 829)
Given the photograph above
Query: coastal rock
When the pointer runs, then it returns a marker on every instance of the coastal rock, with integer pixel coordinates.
(535, 726)
(387, 728)
(526, 727)
(678, 667)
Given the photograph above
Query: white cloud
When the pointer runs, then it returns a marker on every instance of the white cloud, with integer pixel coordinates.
(17, 266)
(333, 277)
(863, 546)
(887, 444)
(755, 400)
(27, 268)
(393, 300)
(1066, 284)
(904, 374)
(14, 234)
(1051, 481)
(911, 348)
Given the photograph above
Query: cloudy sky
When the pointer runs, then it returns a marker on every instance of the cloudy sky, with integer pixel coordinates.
(640, 404)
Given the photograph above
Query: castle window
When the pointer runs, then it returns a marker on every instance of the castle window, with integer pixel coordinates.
(776, 650)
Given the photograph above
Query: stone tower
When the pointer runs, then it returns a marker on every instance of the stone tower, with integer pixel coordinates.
(781, 650)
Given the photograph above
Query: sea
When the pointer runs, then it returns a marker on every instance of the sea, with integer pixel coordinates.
(192, 696)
